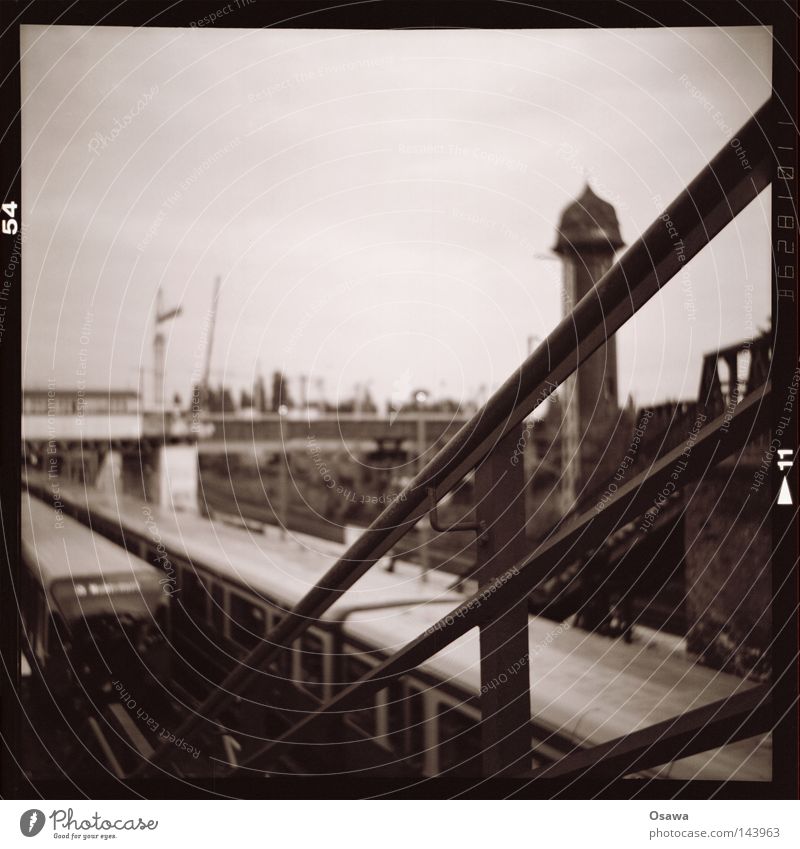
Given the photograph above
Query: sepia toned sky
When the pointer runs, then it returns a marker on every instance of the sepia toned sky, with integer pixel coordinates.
(380, 206)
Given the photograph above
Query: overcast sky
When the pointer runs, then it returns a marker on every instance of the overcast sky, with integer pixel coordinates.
(381, 206)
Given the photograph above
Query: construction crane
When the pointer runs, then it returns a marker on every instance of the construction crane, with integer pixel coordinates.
(160, 346)
(204, 387)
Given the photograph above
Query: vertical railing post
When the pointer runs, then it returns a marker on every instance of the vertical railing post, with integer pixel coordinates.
(424, 528)
(283, 457)
(505, 674)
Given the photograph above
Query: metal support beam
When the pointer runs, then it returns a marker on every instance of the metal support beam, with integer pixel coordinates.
(505, 672)
(424, 527)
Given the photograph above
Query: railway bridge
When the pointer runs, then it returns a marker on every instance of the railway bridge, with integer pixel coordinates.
(104, 438)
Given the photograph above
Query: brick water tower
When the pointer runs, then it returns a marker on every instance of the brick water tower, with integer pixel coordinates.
(587, 240)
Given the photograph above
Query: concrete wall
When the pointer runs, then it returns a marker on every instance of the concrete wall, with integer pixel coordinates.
(178, 476)
(109, 476)
(67, 428)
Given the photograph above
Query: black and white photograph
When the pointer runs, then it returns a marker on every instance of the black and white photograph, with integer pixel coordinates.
(399, 401)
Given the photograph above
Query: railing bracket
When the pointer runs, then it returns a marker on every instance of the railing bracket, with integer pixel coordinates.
(433, 516)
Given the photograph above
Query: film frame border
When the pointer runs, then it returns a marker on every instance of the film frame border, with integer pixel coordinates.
(401, 14)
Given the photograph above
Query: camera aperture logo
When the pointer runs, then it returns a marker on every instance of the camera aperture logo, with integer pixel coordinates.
(31, 822)
(66, 825)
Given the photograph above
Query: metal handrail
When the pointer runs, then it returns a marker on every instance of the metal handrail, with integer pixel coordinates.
(433, 517)
(740, 716)
(716, 195)
(714, 443)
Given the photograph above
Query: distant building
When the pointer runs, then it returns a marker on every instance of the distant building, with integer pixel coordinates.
(102, 438)
(80, 414)
(588, 238)
(693, 566)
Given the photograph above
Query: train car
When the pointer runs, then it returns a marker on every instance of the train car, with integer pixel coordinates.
(231, 587)
(586, 689)
(91, 610)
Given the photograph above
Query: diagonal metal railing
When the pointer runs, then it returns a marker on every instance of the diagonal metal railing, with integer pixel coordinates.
(718, 440)
(712, 200)
(738, 717)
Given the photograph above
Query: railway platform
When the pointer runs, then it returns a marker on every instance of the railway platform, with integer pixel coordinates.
(230, 585)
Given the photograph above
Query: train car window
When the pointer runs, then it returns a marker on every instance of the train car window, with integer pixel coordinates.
(365, 719)
(547, 747)
(218, 608)
(193, 596)
(42, 618)
(163, 618)
(396, 716)
(538, 762)
(282, 665)
(27, 600)
(247, 620)
(459, 740)
(312, 665)
(54, 635)
(414, 727)
(34, 404)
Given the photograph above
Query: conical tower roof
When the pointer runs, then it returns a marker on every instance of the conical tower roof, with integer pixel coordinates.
(588, 222)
